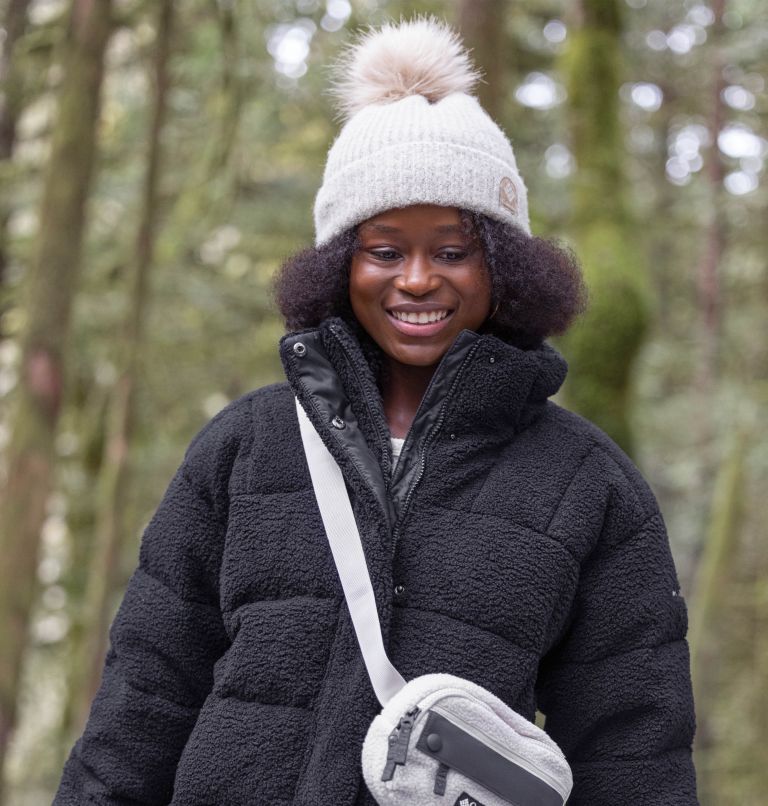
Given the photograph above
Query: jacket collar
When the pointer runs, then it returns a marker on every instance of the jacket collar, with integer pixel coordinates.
(483, 385)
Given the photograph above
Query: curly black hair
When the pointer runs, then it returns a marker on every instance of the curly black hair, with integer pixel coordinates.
(536, 283)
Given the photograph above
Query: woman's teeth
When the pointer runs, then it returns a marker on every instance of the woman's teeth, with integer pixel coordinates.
(422, 318)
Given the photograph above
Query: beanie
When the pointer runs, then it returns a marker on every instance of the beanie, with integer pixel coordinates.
(413, 133)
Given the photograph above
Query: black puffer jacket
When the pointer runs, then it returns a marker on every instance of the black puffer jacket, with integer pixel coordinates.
(532, 556)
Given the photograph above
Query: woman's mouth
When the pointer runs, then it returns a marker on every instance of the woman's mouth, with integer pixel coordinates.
(422, 318)
(421, 323)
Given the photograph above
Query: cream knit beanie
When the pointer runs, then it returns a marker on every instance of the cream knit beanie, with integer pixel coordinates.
(413, 133)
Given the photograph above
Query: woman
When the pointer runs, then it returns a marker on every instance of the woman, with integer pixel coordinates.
(511, 543)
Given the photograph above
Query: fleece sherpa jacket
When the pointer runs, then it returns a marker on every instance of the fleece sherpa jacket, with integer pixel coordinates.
(515, 545)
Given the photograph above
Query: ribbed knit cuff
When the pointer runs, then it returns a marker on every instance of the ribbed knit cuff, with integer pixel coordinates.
(403, 174)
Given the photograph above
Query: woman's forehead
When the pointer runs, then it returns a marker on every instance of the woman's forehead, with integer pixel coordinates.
(416, 217)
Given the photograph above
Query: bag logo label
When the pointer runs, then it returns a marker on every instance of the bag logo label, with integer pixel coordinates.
(466, 800)
(508, 199)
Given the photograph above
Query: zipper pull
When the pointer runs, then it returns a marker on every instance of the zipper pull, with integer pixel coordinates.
(397, 752)
(440, 779)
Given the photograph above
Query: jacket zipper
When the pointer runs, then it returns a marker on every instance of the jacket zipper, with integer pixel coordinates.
(384, 440)
(427, 442)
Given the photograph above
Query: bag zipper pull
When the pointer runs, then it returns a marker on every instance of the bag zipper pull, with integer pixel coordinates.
(441, 777)
(397, 752)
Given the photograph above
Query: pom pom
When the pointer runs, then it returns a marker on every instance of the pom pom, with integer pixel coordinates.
(419, 57)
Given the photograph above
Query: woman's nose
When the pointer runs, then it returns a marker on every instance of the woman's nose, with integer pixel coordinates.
(417, 277)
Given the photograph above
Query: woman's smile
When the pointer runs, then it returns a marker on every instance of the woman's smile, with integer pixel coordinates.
(414, 319)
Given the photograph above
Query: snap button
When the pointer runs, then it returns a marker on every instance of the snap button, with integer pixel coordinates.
(399, 590)
(491, 360)
(434, 743)
(299, 349)
(453, 436)
(337, 422)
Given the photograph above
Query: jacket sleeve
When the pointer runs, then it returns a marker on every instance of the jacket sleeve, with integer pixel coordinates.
(164, 640)
(616, 689)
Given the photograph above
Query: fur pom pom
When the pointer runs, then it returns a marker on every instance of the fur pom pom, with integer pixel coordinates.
(422, 56)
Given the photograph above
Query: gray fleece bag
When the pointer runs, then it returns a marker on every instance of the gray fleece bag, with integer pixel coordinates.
(440, 740)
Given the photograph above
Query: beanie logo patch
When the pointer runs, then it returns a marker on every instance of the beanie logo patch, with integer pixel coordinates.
(508, 195)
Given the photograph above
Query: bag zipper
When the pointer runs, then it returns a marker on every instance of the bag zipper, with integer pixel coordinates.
(399, 738)
(510, 755)
(397, 752)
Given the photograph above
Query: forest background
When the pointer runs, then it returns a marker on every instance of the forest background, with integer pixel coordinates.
(158, 162)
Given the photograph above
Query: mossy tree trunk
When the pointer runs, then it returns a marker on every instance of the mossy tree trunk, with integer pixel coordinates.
(103, 576)
(717, 650)
(14, 25)
(50, 288)
(602, 346)
(720, 547)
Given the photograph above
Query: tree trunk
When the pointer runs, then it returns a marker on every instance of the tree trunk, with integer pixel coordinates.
(481, 26)
(50, 287)
(15, 24)
(92, 407)
(707, 271)
(711, 595)
(199, 201)
(707, 275)
(720, 546)
(103, 576)
(660, 246)
(602, 345)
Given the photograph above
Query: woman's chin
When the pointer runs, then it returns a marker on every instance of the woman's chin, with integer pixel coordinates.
(425, 356)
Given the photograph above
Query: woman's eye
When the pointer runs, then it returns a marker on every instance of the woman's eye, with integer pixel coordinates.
(453, 256)
(385, 254)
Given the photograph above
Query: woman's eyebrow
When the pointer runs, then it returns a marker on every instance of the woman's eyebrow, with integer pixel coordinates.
(380, 228)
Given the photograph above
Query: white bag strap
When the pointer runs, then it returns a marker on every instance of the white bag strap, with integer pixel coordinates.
(347, 550)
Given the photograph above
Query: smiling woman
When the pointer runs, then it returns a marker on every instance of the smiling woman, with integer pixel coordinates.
(512, 545)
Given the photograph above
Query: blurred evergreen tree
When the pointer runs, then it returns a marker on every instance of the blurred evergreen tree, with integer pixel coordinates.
(602, 346)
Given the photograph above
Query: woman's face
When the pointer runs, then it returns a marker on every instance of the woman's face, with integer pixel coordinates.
(417, 280)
